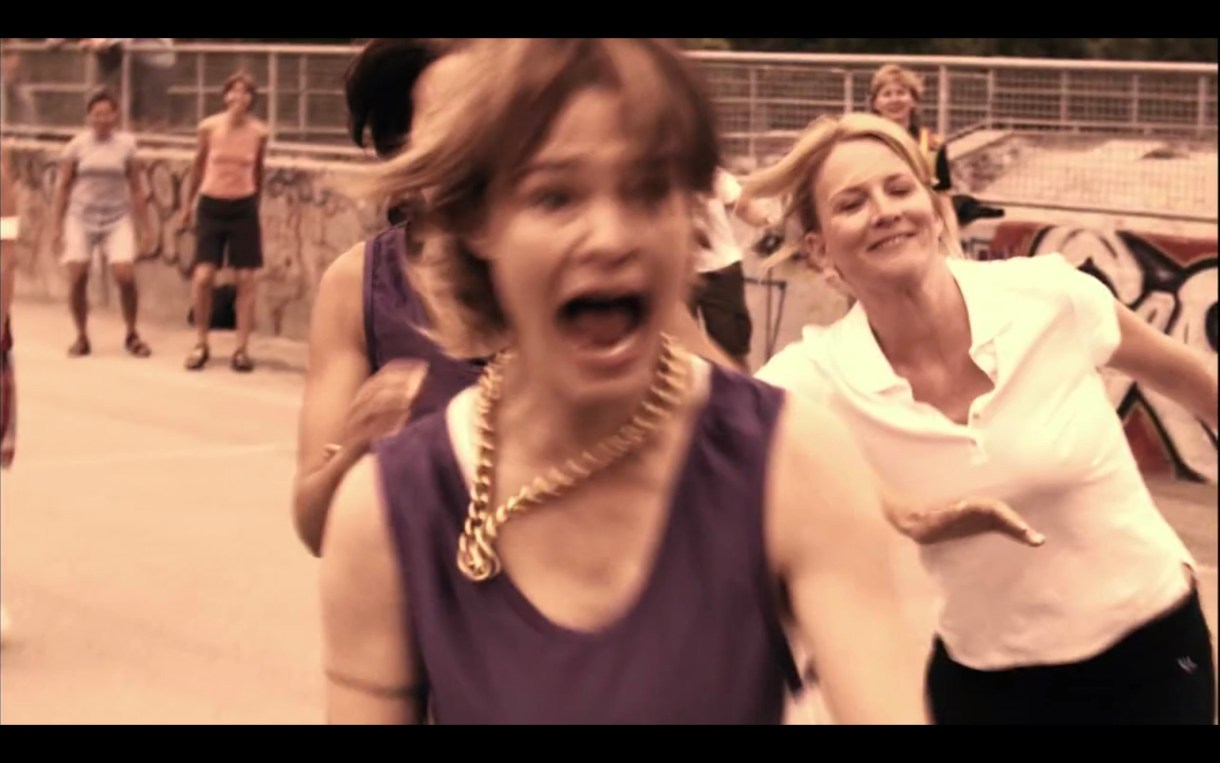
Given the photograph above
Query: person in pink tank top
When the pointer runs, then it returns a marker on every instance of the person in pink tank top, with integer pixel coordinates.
(228, 180)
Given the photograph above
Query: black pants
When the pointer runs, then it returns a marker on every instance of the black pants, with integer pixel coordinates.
(720, 299)
(228, 230)
(1161, 674)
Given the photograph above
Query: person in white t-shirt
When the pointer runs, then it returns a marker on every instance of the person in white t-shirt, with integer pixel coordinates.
(99, 209)
(962, 378)
(720, 295)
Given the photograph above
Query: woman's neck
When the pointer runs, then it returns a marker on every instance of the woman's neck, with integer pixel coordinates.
(920, 320)
(550, 426)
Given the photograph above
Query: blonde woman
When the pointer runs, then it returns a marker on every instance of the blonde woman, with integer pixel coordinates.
(897, 94)
(960, 378)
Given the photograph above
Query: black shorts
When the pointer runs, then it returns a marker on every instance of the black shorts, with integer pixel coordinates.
(1161, 674)
(229, 227)
(720, 300)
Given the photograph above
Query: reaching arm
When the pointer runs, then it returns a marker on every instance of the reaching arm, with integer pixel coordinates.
(63, 191)
(1170, 367)
(197, 171)
(260, 166)
(371, 670)
(833, 549)
(337, 367)
(139, 204)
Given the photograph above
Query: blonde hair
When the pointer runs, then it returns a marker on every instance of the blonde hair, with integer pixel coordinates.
(892, 74)
(497, 109)
(792, 179)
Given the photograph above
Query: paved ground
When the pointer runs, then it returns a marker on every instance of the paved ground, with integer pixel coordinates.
(148, 557)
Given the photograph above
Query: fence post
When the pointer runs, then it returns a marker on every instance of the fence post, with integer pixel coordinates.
(1135, 102)
(990, 117)
(1201, 118)
(303, 104)
(1064, 88)
(200, 86)
(754, 121)
(942, 93)
(125, 86)
(273, 93)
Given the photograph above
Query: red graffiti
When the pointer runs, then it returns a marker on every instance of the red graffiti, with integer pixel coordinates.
(1169, 281)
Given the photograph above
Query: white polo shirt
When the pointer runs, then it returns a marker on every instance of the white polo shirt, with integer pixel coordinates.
(1046, 440)
(723, 249)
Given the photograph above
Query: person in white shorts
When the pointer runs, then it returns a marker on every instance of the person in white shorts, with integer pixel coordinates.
(719, 298)
(95, 212)
(963, 378)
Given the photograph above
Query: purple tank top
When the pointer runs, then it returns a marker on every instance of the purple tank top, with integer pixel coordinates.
(702, 645)
(392, 315)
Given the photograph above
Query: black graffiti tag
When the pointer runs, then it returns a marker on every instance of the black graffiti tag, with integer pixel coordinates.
(1180, 301)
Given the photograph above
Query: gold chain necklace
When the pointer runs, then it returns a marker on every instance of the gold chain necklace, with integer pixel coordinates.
(477, 557)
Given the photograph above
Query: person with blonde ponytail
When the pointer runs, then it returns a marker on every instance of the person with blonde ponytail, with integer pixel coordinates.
(960, 377)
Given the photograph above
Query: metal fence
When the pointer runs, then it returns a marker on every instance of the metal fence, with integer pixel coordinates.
(1125, 138)
(761, 95)
(1064, 122)
(300, 90)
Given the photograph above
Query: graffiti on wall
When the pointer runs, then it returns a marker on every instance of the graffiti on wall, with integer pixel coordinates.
(1171, 283)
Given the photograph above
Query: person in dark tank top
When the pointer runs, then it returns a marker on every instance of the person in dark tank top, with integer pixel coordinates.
(373, 365)
(606, 529)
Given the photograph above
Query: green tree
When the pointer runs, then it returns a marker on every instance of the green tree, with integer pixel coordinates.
(1110, 48)
(1106, 48)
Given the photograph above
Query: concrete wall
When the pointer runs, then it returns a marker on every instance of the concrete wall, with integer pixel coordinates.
(1170, 281)
(1165, 271)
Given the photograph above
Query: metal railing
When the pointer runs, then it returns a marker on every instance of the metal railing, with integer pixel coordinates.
(763, 102)
(1093, 136)
(762, 94)
(300, 91)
